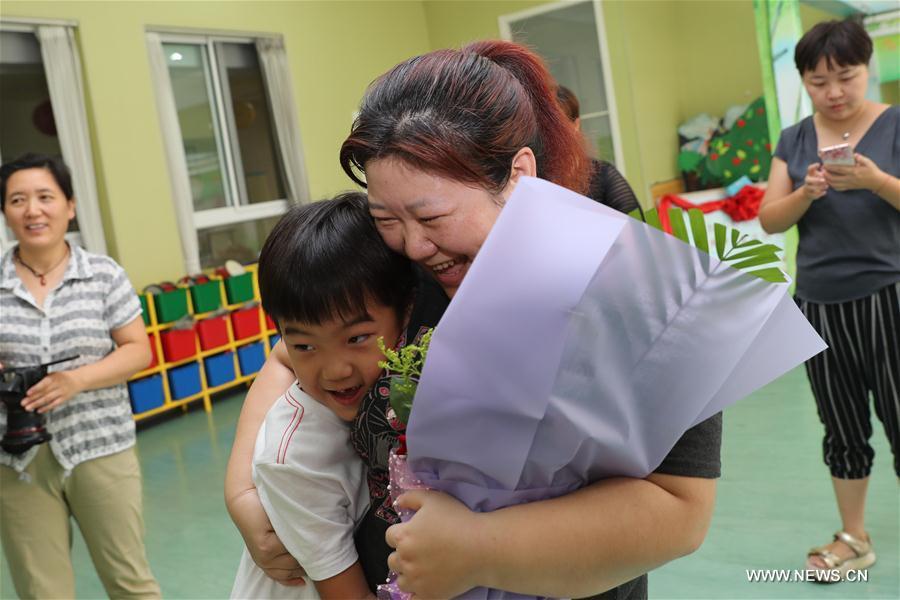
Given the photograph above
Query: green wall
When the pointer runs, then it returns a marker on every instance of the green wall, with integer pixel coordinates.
(455, 22)
(718, 57)
(810, 14)
(334, 50)
(670, 60)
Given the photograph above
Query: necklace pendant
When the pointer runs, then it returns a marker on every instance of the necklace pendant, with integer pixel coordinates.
(43, 281)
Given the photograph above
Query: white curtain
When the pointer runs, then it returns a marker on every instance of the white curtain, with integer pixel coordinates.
(174, 150)
(274, 64)
(63, 68)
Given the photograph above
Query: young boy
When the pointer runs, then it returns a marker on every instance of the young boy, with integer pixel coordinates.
(333, 288)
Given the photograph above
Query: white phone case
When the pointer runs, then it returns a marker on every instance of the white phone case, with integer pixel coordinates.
(841, 154)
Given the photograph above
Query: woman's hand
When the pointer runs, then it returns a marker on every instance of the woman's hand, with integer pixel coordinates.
(864, 175)
(132, 354)
(815, 184)
(436, 551)
(262, 542)
(53, 390)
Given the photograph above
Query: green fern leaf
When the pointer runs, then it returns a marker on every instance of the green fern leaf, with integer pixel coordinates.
(676, 221)
(772, 274)
(756, 261)
(755, 251)
(698, 229)
(721, 232)
(651, 218)
(743, 253)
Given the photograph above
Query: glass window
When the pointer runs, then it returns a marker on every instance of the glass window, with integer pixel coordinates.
(26, 118)
(194, 101)
(238, 241)
(253, 125)
(233, 160)
(26, 121)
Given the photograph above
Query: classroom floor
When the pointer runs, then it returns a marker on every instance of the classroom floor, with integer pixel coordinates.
(774, 502)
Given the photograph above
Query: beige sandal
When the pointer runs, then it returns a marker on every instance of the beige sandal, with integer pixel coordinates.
(865, 558)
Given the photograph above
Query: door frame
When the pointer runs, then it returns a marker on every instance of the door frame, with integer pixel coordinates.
(505, 22)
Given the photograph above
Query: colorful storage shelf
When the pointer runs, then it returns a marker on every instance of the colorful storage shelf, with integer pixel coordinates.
(222, 350)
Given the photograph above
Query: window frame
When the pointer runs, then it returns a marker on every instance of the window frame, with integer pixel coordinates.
(240, 210)
(505, 23)
(28, 25)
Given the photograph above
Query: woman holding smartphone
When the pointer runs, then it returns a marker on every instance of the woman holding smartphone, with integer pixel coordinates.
(848, 264)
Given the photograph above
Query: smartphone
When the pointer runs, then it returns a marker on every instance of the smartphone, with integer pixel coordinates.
(840, 154)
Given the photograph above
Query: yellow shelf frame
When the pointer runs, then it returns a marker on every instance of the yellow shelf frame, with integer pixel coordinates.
(162, 368)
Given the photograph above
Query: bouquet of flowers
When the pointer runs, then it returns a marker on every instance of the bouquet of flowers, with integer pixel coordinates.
(405, 366)
(605, 342)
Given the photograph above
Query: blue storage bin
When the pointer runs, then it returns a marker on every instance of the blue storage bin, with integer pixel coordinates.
(219, 369)
(251, 358)
(274, 340)
(146, 394)
(184, 381)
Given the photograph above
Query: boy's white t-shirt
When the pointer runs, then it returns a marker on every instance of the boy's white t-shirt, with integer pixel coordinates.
(312, 487)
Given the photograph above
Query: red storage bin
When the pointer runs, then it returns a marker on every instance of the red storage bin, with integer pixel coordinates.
(154, 358)
(213, 333)
(178, 344)
(245, 322)
(270, 324)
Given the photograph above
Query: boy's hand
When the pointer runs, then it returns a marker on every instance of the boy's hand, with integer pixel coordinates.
(265, 548)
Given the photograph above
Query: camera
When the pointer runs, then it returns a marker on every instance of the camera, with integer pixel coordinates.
(23, 429)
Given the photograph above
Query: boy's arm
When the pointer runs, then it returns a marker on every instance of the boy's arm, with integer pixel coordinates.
(241, 498)
(349, 584)
(273, 380)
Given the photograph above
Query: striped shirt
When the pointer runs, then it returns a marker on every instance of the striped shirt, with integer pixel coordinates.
(607, 186)
(94, 298)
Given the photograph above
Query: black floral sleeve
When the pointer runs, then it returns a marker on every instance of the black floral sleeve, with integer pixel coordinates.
(376, 430)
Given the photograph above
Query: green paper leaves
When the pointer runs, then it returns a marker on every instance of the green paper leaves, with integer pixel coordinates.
(734, 248)
(698, 229)
(678, 229)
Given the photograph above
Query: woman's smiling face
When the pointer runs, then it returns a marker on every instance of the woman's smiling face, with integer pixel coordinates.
(437, 222)
(36, 208)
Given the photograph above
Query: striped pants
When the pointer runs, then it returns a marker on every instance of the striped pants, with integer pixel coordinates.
(863, 356)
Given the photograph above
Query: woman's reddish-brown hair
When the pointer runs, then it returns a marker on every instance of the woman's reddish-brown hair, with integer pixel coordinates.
(464, 114)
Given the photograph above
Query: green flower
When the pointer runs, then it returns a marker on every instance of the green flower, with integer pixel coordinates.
(405, 366)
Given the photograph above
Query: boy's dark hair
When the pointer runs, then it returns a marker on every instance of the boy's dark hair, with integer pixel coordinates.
(841, 43)
(324, 260)
(569, 102)
(54, 164)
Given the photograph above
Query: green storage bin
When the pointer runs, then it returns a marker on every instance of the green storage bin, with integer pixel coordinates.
(145, 312)
(239, 289)
(171, 306)
(206, 296)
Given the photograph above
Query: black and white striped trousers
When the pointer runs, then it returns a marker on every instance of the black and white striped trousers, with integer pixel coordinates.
(863, 356)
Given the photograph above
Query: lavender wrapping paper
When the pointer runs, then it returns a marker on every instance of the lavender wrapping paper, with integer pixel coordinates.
(581, 345)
